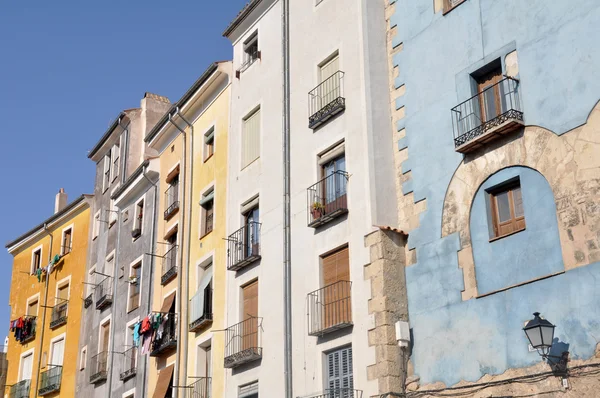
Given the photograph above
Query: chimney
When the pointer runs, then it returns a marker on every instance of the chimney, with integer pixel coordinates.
(61, 201)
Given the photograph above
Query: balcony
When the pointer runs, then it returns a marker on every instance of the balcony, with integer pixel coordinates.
(25, 332)
(487, 115)
(330, 308)
(50, 380)
(326, 100)
(201, 388)
(98, 368)
(104, 293)
(59, 315)
(201, 310)
(20, 390)
(327, 199)
(338, 393)
(169, 265)
(243, 342)
(130, 364)
(171, 200)
(168, 339)
(243, 246)
(88, 301)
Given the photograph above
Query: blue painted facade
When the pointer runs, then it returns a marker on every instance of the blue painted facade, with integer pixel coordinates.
(558, 51)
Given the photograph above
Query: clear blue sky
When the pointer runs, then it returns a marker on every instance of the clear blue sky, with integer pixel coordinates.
(66, 70)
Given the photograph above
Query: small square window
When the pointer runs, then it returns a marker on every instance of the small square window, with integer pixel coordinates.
(209, 144)
(506, 206)
(67, 241)
(36, 260)
(207, 204)
(251, 52)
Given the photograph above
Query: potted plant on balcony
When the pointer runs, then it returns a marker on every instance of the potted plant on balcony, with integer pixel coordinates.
(317, 210)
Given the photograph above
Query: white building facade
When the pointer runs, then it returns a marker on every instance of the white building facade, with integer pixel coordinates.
(340, 157)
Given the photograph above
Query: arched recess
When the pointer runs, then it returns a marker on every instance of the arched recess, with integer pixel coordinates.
(571, 165)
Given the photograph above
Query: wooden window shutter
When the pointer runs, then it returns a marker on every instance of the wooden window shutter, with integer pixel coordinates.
(339, 372)
(336, 267)
(250, 306)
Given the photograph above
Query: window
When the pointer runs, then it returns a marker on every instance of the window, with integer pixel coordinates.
(336, 298)
(329, 67)
(26, 366)
(91, 280)
(32, 307)
(139, 218)
(106, 176)
(251, 138)
(104, 337)
(252, 237)
(115, 162)
(112, 214)
(110, 264)
(67, 243)
(506, 205)
(490, 97)
(251, 52)
(449, 5)
(57, 352)
(209, 143)
(135, 280)
(172, 193)
(36, 260)
(204, 360)
(207, 204)
(339, 371)
(250, 315)
(248, 390)
(334, 179)
(96, 230)
(62, 293)
(83, 358)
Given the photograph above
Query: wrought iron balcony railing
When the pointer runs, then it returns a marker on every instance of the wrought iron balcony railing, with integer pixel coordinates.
(20, 390)
(171, 200)
(200, 310)
(201, 388)
(99, 367)
(251, 58)
(327, 199)
(330, 308)
(50, 380)
(130, 364)
(243, 342)
(338, 393)
(59, 315)
(326, 100)
(487, 115)
(169, 265)
(25, 329)
(168, 339)
(89, 300)
(104, 293)
(243, 246)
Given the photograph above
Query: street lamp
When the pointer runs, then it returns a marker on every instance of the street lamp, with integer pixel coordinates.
(540, 333)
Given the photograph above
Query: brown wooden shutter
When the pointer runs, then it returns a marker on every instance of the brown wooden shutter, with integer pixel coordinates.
(105, 336)
(336, 296)
(163, 382)
(250, 316)
(336, 267)
(168, 303)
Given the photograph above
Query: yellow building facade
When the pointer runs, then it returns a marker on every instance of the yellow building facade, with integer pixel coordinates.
(189, 283)
(46, 299)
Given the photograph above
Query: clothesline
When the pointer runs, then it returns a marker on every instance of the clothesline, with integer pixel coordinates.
(48, 268)
(150, 329)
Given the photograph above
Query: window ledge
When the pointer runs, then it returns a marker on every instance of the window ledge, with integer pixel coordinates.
(519, 284)
(507, 235)
(207, 159)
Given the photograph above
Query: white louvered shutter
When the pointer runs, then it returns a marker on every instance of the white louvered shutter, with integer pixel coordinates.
(251, 139)
(340, 379)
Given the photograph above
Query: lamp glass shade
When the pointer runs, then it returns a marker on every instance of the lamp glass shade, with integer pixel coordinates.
(539, 332)
(534, 335)
(547, 333)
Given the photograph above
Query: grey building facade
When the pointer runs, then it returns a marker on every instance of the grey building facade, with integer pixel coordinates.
(119, 264)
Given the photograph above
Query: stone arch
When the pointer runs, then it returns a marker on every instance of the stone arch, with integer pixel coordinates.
(571, 165)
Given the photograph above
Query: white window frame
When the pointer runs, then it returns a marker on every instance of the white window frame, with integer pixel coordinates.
(140, 261)
(29, 300)
(115, 167)
(41, 249)
(91, 280)
(252, 113)
(129, 393)
(110, 257)
(207, 190)
(106, 170)
(62, 283)
(83, 358)
(136, 213)
(129, 336)
(23, 355)
(62, 238)
(103, 322)
(54, 340)
(212, 129)
(113, 213)
(250, 40)
(96, 226)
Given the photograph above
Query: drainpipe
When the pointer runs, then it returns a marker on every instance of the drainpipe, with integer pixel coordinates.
(111, 349)
(287, 235)
(152, 250)
(123, 159)
(37, 378)
(183, 288)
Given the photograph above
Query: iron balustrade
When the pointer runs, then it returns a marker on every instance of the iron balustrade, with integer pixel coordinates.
(338, 393)
(50, 380)
(252, 57)
(330, 308)
(243, 246)
(200, 309)
(201, 388)
(169, 264)
(130, 363)
(104, 293)
(20, 390)
(497, 109)
(89, 300)
(243, 342)
(165, 337)
(99, 367)
(326, 100)
(327, 199)
(59, 315)
(171, 199)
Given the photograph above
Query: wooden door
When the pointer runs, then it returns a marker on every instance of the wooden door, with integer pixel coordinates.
(336, 289)
(250, 316)
(489, 95)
